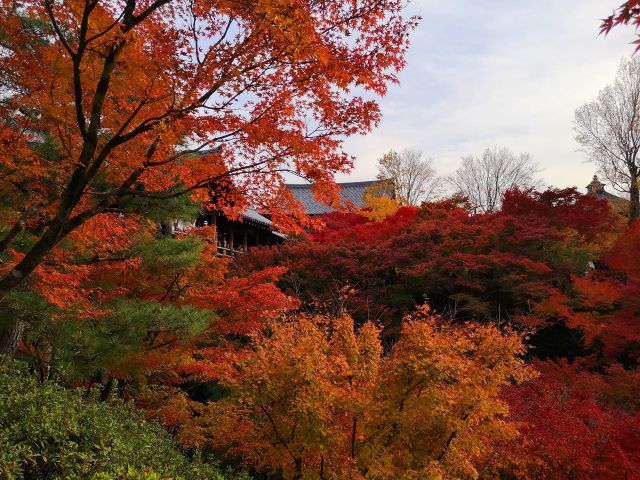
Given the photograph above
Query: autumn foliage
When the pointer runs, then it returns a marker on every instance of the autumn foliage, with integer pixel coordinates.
(576, 423)
(626, 14)
(391, 342)
(319, 358)
(429, 408)
(475, 267)
(555, 265)
(139, 108)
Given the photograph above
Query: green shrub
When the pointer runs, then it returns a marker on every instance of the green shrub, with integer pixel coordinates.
(48, 432)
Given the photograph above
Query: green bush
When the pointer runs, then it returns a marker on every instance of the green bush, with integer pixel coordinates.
(48, 432)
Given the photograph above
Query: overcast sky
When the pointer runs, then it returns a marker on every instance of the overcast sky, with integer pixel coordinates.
(498, 72)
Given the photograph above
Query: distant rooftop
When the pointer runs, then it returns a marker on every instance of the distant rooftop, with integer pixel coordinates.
(350, 193)
(596, 189)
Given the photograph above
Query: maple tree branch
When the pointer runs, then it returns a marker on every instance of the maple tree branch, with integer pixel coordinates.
(194, 31)
(106, 30)
(56, 28)
(130, 118)
(394, 426)
(136, 19)
(84, 25)
(452, 436)
(161, 345)
(175, 280)
(96, 259)
(178, 155)
(353, 437)
(109, 203)
(224, 34)
(447, 445)
(251, 168)
(279, 437)
(11, 234)
(76, 59)
(151, 122)
(102, 88)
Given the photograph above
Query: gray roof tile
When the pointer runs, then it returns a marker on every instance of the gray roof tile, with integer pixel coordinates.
(252, 215)
(350, 193)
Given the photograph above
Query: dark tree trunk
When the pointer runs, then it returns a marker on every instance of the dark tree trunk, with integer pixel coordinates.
(353, 438)
(11, 235)
(106, 390)
(11, 332)
(10, 337)
(634, 199)
(298, 464)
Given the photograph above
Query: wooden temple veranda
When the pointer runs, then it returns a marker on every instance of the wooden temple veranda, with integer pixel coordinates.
(234, 237)
(253, 229)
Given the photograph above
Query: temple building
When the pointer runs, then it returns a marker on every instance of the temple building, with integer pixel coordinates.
(237, 236)
(618, 204)
(253, 229)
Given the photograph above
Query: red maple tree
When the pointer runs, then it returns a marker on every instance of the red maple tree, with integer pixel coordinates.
(126, 106)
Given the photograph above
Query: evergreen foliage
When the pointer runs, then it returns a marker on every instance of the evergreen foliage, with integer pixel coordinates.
(48, 432)
(87, 346)
(169, 252)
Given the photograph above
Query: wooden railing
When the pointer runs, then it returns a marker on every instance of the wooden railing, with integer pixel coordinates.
(223, 249)
(228, 251)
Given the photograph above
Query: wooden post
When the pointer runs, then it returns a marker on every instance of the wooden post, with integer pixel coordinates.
(245, 246)
(231, 240)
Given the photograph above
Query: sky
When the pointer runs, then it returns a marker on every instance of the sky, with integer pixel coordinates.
(507, 73)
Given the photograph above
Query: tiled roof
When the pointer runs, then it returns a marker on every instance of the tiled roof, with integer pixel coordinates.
(350, 193)
(252, 216)
(596, 189)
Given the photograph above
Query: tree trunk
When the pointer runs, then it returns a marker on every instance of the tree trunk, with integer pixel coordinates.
(353, 438)
(10, 337)
(298, 464)
(11, 332)
(106, 390)
(634, 199)
(11, 235)
(31, 260)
